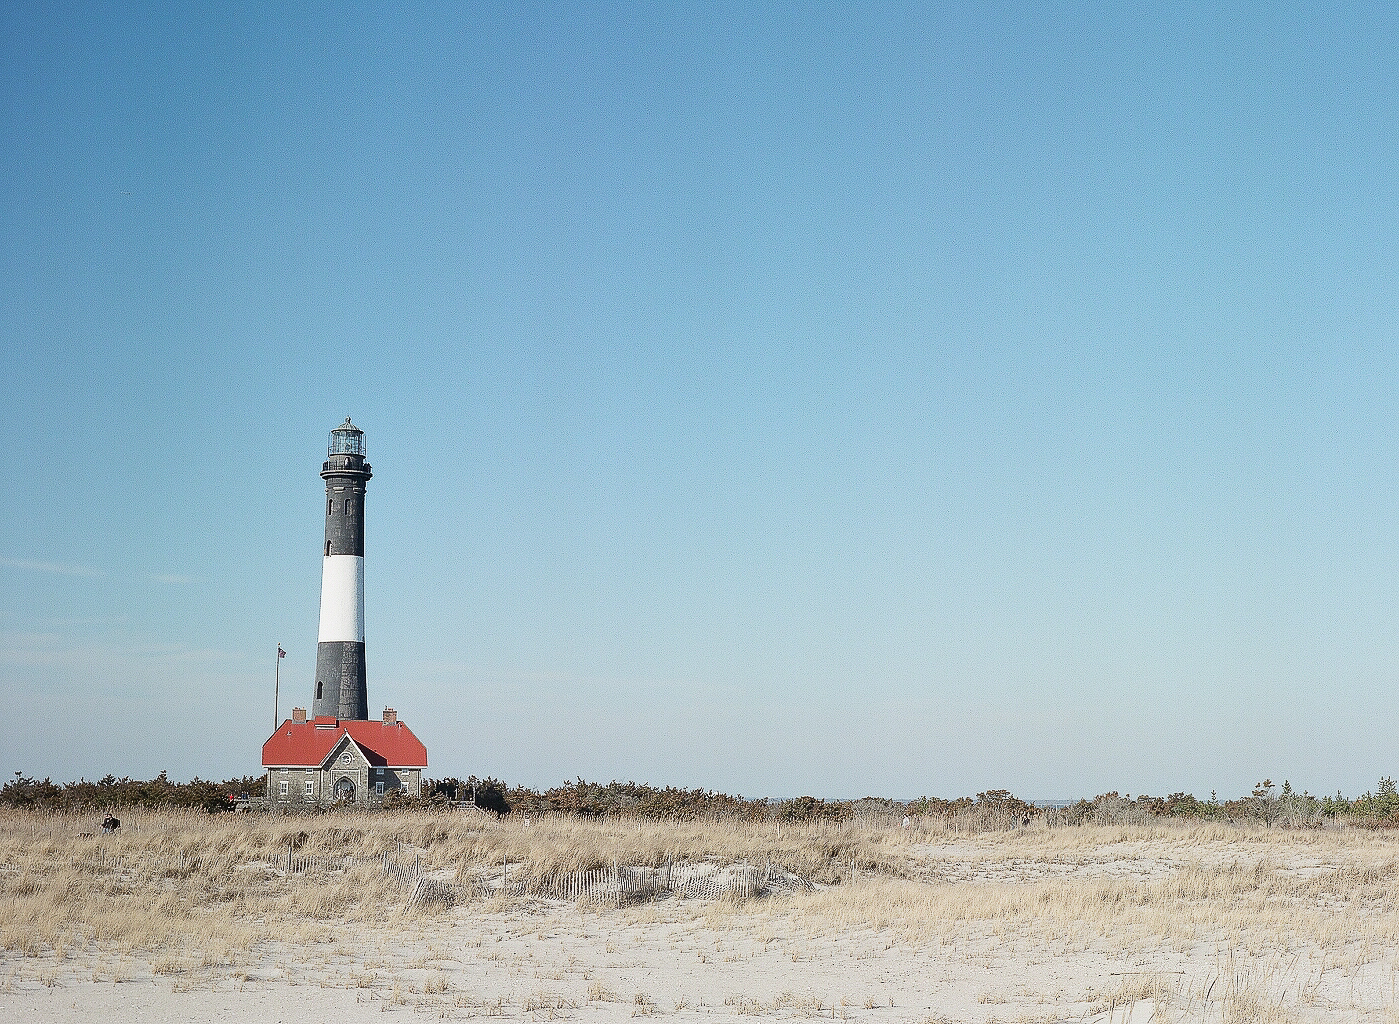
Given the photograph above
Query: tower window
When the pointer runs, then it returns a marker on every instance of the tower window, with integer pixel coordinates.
(329, 506)
(327, 547)
(318, 689)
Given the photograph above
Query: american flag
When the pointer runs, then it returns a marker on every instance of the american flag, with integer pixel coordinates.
(281, 653)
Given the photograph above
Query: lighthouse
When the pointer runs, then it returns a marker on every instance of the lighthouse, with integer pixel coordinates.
(341, 688)
(338, 756)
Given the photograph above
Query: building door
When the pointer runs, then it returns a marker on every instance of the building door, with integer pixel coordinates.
(344, 790)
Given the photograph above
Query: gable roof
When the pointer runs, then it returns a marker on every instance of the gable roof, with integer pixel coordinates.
(308, 744)
(343, 748)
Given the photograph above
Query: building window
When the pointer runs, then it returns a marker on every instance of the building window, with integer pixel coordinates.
(284, 789)
(318, 689)
(310, 788)
(327, 548)
(378, 789)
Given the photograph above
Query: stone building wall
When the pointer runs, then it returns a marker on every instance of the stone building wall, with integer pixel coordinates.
(361, 775)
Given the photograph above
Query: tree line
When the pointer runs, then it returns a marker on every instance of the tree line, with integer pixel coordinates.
(1267, 804)
(111, 792)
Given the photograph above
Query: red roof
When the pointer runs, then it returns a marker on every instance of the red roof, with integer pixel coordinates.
(307, 744)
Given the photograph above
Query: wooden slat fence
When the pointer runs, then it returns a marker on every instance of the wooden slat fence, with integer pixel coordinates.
(617, 886)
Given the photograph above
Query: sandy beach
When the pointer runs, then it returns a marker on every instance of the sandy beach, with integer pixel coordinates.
(1106, 924)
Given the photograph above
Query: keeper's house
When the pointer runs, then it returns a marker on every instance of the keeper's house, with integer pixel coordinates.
(335, 760)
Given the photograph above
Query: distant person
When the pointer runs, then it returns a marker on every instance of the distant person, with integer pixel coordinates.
(110, 824)
(907, 821)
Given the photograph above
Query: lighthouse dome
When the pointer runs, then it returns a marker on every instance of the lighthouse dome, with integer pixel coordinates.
(347, 439)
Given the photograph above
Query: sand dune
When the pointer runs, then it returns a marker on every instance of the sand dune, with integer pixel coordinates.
(185, 917)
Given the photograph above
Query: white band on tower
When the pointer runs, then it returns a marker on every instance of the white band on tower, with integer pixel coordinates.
(342, 599)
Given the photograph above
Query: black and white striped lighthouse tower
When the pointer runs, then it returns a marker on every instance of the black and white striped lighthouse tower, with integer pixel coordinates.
(341, 688)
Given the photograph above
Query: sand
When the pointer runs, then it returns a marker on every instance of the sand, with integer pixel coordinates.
(831, 954)
(608, 965)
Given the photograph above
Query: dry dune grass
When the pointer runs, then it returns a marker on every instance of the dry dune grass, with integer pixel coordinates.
(184, 891)
(1252, 906)
(821, 851)
(217, 885)
(186, 885)
(1244, 888)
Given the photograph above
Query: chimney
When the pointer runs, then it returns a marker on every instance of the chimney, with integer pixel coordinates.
(390, 716)
(298, 716)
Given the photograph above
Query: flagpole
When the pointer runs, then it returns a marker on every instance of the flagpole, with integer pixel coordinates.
(277, 691)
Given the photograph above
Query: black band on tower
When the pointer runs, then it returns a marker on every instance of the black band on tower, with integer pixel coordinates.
(342, 689)
(344, 507)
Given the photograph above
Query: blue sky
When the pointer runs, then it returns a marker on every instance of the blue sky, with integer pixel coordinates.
(773, 399)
